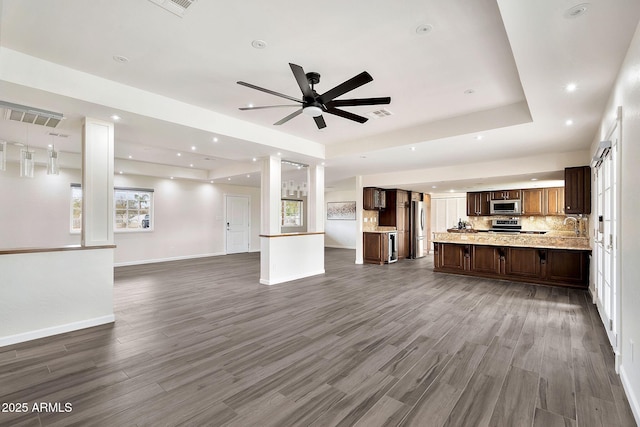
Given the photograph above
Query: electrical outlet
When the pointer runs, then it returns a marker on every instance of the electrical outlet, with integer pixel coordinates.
(366, 220)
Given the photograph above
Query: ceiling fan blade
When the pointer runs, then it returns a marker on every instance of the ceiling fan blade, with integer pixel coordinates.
(261, 89)
(346, 115)
(267, 106)
(345, 87)
(320, 122)
(301, 78)
(357, 102)
(289, 117)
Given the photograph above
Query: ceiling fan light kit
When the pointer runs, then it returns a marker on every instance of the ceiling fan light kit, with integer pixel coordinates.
(314, 104)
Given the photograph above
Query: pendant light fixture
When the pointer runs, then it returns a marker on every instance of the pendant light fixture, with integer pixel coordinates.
(3, 155)
(27, 163)
(52, 161)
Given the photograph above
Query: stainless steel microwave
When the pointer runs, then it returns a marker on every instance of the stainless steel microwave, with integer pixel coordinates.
(505, 207)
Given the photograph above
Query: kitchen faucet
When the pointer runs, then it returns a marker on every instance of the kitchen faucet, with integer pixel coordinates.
(576, 224)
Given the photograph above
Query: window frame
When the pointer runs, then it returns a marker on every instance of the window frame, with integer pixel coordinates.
(300, 215)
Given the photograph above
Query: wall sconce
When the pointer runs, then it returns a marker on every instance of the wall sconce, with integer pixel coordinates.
(3, 155)
(52, 162)
(26, 163)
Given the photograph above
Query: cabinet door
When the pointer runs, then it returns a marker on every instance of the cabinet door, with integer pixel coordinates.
(513, 194)
(485, 259)
(554, 201)
(368, 198)
(373, 248)
(565, 266)
(403, 244)
(473, 208)
(523, 262)
(532, 201)
(498, 195)
(485, 203)
(577, 190)
(454, 257)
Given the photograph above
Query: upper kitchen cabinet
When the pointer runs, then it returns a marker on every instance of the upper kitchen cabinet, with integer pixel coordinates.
(373, 198)
(506, 195)
(478, 203)
(554, 198)
(577, 190)
(533, 201)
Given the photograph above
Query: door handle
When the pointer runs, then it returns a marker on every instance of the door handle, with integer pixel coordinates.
(227, 226)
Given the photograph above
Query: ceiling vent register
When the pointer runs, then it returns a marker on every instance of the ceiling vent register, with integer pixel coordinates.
(36, 116)
(378, 114)
(177, 7)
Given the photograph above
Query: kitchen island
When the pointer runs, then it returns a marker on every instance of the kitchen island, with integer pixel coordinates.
(555, 258)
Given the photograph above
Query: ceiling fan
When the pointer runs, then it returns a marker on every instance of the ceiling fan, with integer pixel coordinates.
(314, 105)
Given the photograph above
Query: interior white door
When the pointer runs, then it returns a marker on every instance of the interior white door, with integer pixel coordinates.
(237, 224)
(606, 236)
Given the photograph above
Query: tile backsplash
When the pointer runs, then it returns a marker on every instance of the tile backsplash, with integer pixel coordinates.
(532, 223)
(370, 220)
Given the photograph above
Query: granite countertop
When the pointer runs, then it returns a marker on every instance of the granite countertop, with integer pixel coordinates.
(552, 239)
(381, 230)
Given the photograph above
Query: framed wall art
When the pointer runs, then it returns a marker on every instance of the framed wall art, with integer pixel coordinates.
(341, 210)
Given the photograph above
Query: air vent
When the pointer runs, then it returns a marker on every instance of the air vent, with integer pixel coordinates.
(177, 7)
(22, 113)
(378, 114)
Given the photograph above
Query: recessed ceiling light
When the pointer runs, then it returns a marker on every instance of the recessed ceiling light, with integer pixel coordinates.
(534, 179)
(250, 105)
(568, 122)
(130, 156)
(279, 154)
(478, 137)
(576, 11)
(50, 145)
(193, 148)
(254, 160)
(170, 177)
(179, 154)
(211, 181)
(215, 139)
(120, 172)
(452, 191)
(413, 148)
(115, 117)
(121, 59)
(191, 165)
(424, 29)
(322, 163)
(433, 186)
(259, 44)
(248, 176)
(228, 179)
(571, 87)
(469, 91)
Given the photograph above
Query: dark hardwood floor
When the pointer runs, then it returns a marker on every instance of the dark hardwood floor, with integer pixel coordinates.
(200, 342)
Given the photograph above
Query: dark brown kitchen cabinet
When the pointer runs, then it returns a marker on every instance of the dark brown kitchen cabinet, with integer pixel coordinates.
(478, 203)
(577, 190)
(373, 198)
(533, 201)
(506, 195)
(396, 214)
(375, 247)
(452, 256)
(554, 201)
(523, 262)
(549, 266)
(487, 259)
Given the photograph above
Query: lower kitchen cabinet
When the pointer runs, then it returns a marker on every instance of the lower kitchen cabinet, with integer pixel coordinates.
(375, 247)
(549, 266)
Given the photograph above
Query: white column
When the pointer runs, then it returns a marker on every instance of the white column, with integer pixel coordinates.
(359, 209)
(97, 182)
(315, 199)
(271, 183)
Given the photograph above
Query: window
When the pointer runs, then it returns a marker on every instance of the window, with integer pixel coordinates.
(291, 213)
(133, 209)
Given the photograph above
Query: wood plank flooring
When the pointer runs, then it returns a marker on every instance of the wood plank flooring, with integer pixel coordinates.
(200, 342)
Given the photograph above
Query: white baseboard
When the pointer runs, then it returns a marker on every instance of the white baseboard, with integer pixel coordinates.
(55, 330)
(177, 258)
(631, 396)
(290, 278)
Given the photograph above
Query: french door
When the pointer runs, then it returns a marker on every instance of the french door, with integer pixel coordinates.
(606, 239)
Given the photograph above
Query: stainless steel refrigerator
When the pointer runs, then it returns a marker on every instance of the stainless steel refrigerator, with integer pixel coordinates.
(418, 222)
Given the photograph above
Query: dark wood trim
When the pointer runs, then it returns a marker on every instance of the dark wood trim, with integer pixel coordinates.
(58, 249)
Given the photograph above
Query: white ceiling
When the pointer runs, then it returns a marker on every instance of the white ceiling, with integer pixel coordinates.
(516, 56)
